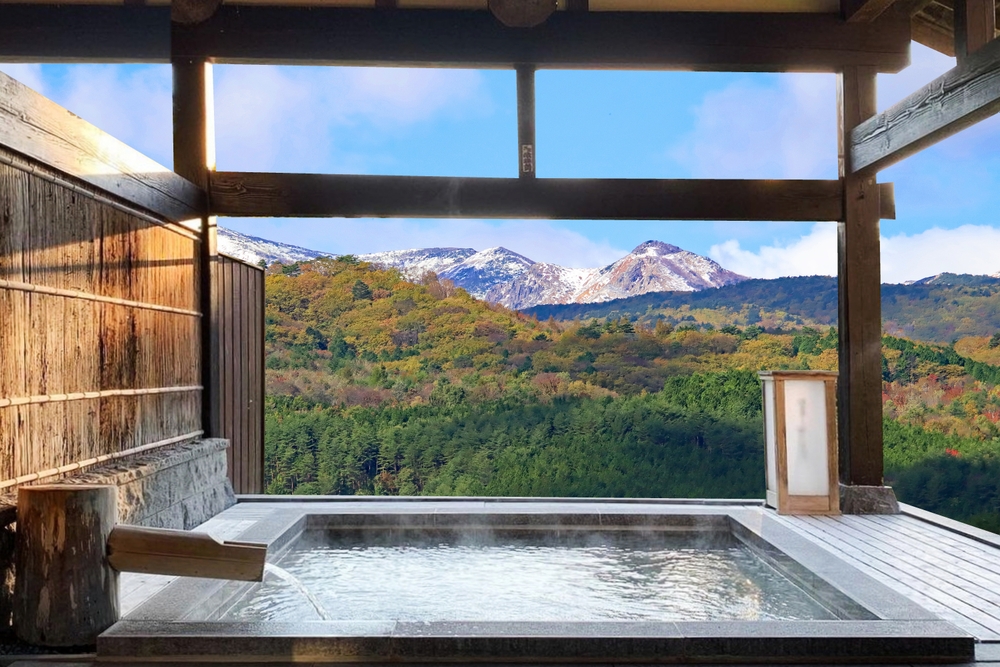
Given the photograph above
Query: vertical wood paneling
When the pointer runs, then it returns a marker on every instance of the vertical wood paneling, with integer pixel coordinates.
(239, 297)
(54, 237)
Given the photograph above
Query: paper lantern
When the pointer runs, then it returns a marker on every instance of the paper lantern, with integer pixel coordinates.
(800, 437)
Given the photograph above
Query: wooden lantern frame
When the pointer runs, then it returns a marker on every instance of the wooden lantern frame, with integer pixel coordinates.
(779, 497)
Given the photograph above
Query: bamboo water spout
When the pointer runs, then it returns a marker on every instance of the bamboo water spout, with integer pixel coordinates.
(183, 553)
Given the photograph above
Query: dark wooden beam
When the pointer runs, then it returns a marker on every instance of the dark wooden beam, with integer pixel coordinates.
(187, 12)
(957, 99)
(864, 11)
(194, 158)
(459, 38)
(526, 120)
(248, 194)
(41, 130)
(859, 281)
(975, 26)
(76, 33)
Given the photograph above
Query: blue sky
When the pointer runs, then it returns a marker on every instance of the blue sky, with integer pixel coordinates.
(590, 124)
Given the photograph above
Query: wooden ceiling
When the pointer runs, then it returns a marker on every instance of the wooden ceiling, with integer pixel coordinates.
(740, 6)
(934, 25)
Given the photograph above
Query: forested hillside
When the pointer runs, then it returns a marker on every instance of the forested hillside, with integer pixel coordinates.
(380, 386)
(940, 310)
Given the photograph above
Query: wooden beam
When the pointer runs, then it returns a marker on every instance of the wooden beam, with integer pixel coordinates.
(316, 195)
(859, 283)
(194, 158)
(864, 11)
(957, 99)
(460, 38)
(526, 120)
(78, 33)
(766, 42)
(41, 130)
(975, 26)
(187, 12)
(933, 36)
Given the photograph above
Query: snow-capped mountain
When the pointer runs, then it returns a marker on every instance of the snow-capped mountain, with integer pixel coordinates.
(476, 272)
(251, 249)
(413, 264)
(653, 266)
(487, 269)
(966, 279)
(542, 283)
(502, 276)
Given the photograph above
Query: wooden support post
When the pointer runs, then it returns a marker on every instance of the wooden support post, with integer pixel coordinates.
(975, 26)
(65, 593)
(859, 270)
(526, 120)
(194, 157)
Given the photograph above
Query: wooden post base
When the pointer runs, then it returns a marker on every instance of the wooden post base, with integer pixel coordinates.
(65, 592)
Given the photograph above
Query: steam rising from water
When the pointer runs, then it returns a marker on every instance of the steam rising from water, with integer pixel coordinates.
(627, 576)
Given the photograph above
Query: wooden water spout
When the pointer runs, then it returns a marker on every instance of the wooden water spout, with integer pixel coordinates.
(183, 553)
(70, 551)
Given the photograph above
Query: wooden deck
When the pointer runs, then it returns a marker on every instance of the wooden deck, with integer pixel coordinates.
(948, 573)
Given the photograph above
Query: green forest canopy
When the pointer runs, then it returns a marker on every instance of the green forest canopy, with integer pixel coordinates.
(380, 386)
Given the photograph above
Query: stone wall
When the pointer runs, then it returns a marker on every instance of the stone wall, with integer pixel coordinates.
(180, 486)
(175, 487)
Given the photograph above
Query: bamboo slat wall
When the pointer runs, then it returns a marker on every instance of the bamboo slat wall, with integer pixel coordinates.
(240, 308)
(99, 324)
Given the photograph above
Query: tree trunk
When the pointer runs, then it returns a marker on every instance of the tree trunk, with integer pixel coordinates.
(65, 592)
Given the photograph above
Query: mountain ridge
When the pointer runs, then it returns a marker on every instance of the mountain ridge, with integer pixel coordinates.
(500, 275)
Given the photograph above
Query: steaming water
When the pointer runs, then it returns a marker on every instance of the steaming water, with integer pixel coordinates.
(291, 579)
(625, 576)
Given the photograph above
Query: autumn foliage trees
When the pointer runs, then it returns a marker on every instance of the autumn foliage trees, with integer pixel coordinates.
(377, 385)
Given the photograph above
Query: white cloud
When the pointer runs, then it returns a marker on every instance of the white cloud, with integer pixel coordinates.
(268, 118)
(294, 118)
(774, 127)
(29, 74)
(133, 104)
(812, 254)
(966, 249)
(784, 126)
(540, 240)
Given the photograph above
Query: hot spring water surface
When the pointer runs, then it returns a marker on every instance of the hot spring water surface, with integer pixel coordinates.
(591, 577)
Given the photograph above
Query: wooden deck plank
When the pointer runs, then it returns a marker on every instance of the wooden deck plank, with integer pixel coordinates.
(891, 579)
(982, 596)
(946, 606)
(968, 564)
(919, 579)
(944, 539)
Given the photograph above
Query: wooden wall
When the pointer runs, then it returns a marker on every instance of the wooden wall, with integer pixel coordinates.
(100, 322)
(240, 413)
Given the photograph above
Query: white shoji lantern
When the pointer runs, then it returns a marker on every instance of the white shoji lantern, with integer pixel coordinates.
(800, 437)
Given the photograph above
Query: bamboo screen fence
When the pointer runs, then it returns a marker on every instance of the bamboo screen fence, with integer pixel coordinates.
(101, 319)
(99, 325)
